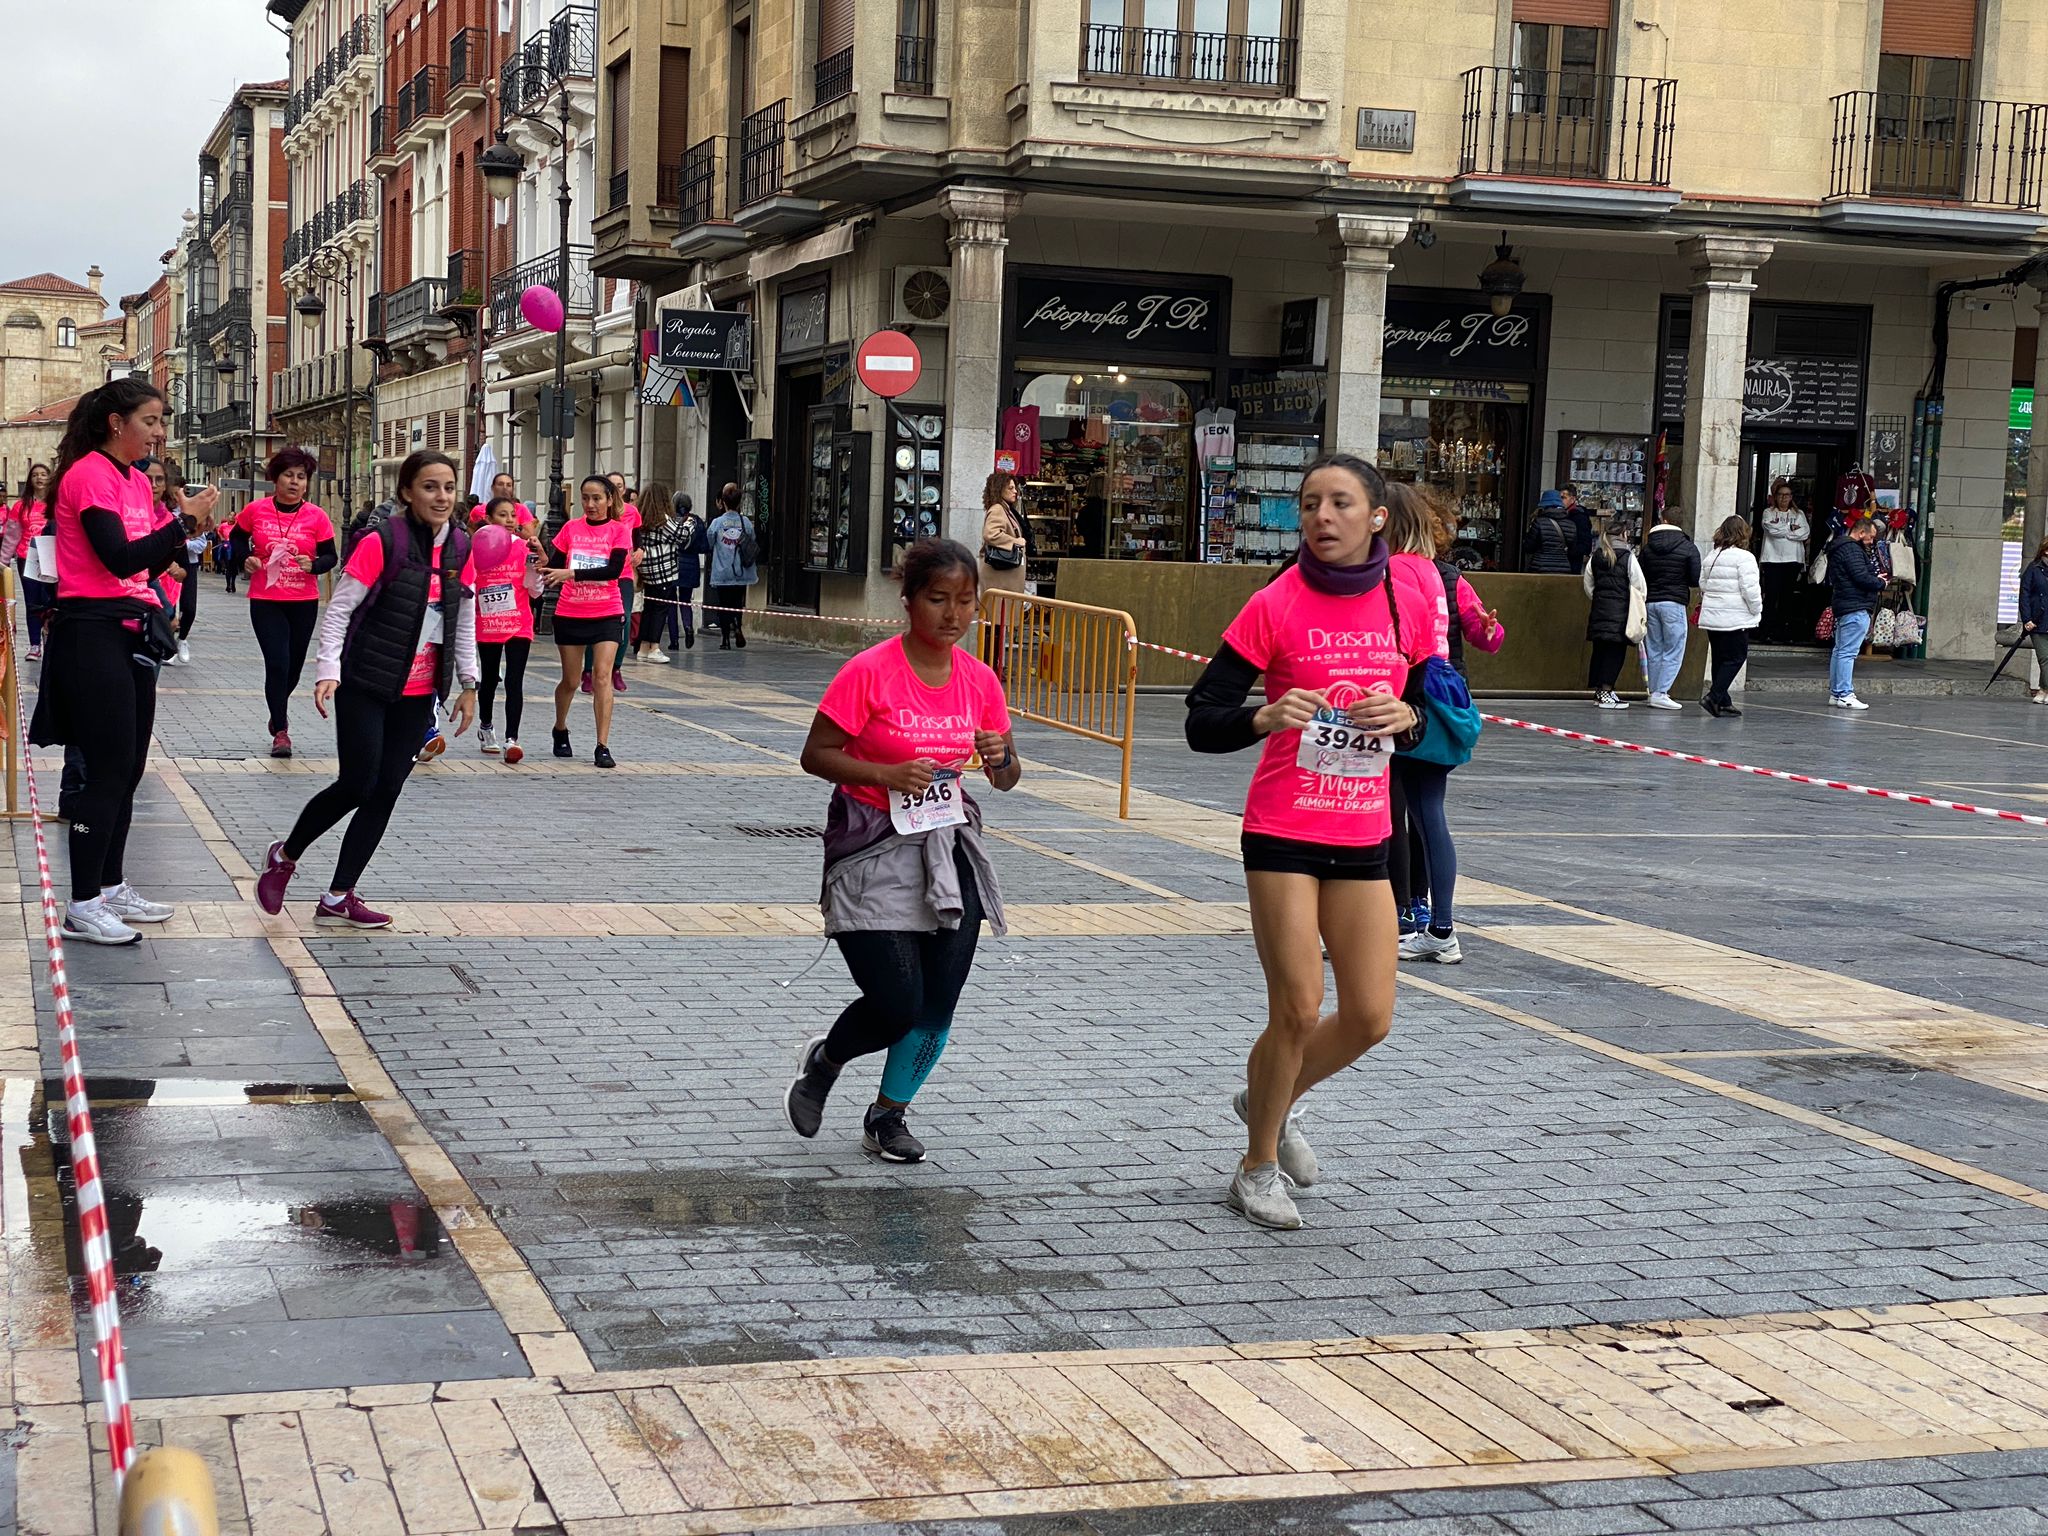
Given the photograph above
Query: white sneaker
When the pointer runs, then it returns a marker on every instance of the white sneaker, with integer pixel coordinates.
(1297, 1157)
(1609, 700)
(1260, 1196)
(657, 655)
(174, 661)
(1848, 701)
(131, 906)
(1424, 945)
(1664, 701)
(487, 741)
(2041, 695)
(184, 652)
(90, 922)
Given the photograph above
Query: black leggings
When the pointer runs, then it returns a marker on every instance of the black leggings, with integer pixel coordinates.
(907, 981)
(1605, 668)
(283, 631)
(99, 662)
(1730, 649)
(377, 741)
(666, 612)
(513, 652)
(188, 601)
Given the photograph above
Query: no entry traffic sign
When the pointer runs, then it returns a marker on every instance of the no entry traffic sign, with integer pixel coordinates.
(889, 364)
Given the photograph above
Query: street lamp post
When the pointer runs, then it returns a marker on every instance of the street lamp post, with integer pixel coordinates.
(502, 166)
(329, 266)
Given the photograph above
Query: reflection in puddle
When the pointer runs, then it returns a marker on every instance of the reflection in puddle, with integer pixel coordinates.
(196, 1092)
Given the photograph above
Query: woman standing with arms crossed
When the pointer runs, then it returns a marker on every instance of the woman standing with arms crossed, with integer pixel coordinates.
(505, 590)
(27, 520)
(1340, 643)
(109, 633)
(589, 557)
(284, 544)
(1731, 605)
(399, 635)
(907, 878)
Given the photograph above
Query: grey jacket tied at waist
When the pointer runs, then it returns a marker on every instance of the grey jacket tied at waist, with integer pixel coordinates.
(879, 881)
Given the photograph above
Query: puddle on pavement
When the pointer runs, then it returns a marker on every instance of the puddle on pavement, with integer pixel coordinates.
(197, 1092)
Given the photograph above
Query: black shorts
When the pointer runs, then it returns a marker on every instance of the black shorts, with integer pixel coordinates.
(586, 631)
(1321, 861)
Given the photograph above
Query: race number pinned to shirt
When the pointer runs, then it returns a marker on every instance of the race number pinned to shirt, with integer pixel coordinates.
(1335, 748)
(496, 603)
(942, 803)
(588, 560)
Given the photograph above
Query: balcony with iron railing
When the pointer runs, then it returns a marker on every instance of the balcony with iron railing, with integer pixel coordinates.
(618, 191)
(359, 41)
(565, 49)
(383, 141)
(763, 135)
(697, 199)
(225, 421)
(315, 381)
(233, 208)
(422, 99)
(1540, 131)
(469, 67)
(414, 308)
(355, 204)
(1938, 149)
(507, 286)
(914, 55)
(1221, 61)
(232, 311)
(832, 78)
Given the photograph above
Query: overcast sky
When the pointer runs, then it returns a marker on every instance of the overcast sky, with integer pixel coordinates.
(108, 101)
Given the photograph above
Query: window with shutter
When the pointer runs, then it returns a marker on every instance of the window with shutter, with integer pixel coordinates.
(1943, 29)
(672, 130)
(1566, 13)
(835, 27)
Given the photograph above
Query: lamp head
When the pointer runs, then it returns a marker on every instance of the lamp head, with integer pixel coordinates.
(502, 166)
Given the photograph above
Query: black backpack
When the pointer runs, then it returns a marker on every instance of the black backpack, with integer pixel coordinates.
(366, 523)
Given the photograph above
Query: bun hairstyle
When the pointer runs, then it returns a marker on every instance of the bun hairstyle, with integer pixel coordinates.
(929, 559)
(612, 498)
(286, 460)
(88, 427)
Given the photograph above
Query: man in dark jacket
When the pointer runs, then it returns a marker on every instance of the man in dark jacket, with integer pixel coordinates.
(1671, 566)
(1547, 547)
(1581, 521)
(1854, 586)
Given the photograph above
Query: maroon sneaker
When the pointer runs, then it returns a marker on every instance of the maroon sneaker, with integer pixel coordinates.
(281, 744)
(618, 681)
(277, 874)
(586, 682)
(350, 913)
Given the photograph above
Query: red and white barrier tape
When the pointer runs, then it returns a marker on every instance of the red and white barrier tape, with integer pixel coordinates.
(93, 1240)
(1780, 774)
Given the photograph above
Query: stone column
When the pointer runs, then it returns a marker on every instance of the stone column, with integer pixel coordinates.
(1358, 323)
(1723, 278)
(980, 217)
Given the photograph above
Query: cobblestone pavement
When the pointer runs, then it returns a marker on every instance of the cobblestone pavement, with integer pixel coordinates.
(1706, 1194)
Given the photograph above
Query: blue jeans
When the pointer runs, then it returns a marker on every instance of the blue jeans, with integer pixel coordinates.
(1851, 630)
(1663, 645)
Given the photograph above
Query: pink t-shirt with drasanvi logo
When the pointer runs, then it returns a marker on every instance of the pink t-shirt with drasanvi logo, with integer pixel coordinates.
(504, 609)
(302, 530)
(589, 546)
(366, 564)
(1343, 648)
(97, 481)
(895, 716)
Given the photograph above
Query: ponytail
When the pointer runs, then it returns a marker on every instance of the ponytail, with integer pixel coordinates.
(86, 429)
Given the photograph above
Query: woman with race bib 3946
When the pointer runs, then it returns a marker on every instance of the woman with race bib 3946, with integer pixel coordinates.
(907, 878)
(1341, 643)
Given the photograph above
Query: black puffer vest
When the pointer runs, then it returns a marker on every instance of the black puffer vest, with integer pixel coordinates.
(384, 631)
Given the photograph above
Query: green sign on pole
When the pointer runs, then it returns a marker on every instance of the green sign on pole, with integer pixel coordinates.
(2021, 416)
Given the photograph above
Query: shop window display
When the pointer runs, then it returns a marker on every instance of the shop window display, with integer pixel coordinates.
(1122, 444)
(1463, 439)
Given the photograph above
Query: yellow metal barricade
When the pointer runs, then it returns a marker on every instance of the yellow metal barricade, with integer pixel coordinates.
(11, 744)
(1068, 666)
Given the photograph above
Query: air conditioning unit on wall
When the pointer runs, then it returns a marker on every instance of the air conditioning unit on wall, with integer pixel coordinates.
(920, 296)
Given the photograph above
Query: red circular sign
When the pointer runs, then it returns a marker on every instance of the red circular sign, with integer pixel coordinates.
(889, 364)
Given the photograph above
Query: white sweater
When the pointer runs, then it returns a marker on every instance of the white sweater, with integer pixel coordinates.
(1731, 592)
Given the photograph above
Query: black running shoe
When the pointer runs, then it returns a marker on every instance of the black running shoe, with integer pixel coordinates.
(603, 758)
(805, 1101)
(562, 747)
(884, 1134)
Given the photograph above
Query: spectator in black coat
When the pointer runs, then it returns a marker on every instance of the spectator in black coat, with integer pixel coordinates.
(1547, 546)
(1854, 586)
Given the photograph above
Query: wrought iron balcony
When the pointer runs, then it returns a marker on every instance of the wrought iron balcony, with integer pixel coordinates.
(383, 132)
(833, 78)
(233, 208)
(1570, 125)
(697, 199)
(566, 49)
(469, 60)
(914, 53)
(373, 330)
(225, 421)
(415, 307)
(507, 286)
(1938, 149)
(234, 310)
(762, 135)
(422, 97)
(1204, 60)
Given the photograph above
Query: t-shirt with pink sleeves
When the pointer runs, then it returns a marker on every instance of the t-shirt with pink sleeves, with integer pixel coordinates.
(1343, 648)
(97, 481)
(589, 547)
(299, 530)
(894, 716)
(366, 564)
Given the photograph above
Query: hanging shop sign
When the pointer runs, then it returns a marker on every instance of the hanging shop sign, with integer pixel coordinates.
(706, 338)
(2020, 411)
(1089, 315)
(1459, 336)
(802, 320)
(1805, 367)
(1304, 333)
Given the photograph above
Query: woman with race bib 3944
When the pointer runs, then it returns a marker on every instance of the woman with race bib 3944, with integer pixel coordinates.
(1341, 642)
(907, 878)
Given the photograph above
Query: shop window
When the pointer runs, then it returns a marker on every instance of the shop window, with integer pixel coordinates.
(1115, 465)
(1245, 44)
(1918, 124)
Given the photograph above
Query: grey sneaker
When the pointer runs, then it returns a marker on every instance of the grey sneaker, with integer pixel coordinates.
(884, 1133)
(1427, 946)
(90, 922)
(131, 906)
(804, 1103)
(1297, 1157)
(1260, 1196)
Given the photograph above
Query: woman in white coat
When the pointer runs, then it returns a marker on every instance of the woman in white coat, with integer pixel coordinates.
(1731, 605)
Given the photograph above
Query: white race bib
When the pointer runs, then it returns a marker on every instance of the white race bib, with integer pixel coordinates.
(496, 603)
(584, 560)
(431, 630)
(1332, 746)
(942, 804)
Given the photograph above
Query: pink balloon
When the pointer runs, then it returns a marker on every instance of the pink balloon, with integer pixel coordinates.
(542, 307)
(491, 546)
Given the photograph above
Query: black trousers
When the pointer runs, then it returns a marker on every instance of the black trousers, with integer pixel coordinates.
(667, 612)
(1608, 655)
(512, 653)
(907, 980)
(376, 740)
(1728, 650)
(98, 661)
(283, 632)
(728, 623)
(1781, 581)
(188, 601)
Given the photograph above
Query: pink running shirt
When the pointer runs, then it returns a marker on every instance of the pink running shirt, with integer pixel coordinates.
(590, 545)
(366, 564)
(302, 529)
(97, 481)
(893, 715)
(504, 609)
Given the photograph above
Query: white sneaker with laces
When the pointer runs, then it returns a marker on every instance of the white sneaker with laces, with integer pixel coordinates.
(487, 741)
(1424, 945)
(1848, 701)
(657, 655)
(131, 906)
(1610, 700)
(184, 652)
(1664, 701)
(1297, 1157)
(1260, 1196)
(90, 922)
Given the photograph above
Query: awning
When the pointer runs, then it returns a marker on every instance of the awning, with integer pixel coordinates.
(808, 252)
